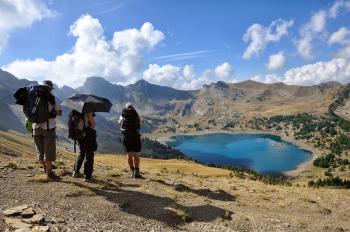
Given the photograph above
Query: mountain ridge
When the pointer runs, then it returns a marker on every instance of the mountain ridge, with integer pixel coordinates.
(166, 109)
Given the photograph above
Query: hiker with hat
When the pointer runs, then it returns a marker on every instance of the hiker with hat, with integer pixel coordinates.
(44, 132)
(129, 123)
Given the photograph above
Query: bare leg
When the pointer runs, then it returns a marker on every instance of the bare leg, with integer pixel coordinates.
(137, 160)
(130, 160)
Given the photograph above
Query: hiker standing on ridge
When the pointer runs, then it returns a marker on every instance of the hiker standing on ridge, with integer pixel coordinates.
(129, 123)
(87, 145)
(44, 133)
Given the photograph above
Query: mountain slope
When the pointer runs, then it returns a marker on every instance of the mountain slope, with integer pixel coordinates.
(175, 195)
(215, 106)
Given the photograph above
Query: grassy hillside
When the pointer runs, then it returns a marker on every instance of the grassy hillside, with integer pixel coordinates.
(175, 195)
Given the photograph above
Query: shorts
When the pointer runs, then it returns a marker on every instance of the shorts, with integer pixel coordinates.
(132, 143)
(45, 144)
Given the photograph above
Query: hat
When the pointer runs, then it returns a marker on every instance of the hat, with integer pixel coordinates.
(128, 105)
(49, 84)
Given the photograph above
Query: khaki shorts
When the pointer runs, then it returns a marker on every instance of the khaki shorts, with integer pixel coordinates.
(45, 144)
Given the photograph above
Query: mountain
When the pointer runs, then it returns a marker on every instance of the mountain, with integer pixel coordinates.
(166, 109)
(11, 117)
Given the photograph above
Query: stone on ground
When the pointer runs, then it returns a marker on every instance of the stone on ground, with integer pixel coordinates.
(15, 210)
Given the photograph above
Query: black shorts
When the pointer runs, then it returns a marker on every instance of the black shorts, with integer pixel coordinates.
(132, 143)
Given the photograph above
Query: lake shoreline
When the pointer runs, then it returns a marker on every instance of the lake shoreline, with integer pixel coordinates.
(302, 167)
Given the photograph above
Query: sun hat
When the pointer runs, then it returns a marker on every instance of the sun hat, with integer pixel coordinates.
(49, 84)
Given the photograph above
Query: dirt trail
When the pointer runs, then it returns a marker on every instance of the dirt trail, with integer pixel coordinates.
(168, 199)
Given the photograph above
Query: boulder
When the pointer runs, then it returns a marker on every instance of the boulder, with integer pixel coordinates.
(40, 229)
(28, 212)
(17, 223)
(36, 219)
(15, 210)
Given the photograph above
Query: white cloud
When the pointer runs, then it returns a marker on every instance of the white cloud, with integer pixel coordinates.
(259, 36)
(340, 37)
(19, 14)
(185, 78)
(337, 69)
(344, 53)
(276, 61)
(337, 6)
(185, 55)
(314, 28)
(119, 60)
(268, 79)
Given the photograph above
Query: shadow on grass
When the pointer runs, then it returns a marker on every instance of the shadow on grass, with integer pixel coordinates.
(205, 192)
(148, 206)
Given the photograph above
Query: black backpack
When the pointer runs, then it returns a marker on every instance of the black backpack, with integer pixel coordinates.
(35, 100)
(131, 122)
(76, 127)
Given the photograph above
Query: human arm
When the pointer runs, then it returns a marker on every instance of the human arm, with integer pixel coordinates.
(92, 121)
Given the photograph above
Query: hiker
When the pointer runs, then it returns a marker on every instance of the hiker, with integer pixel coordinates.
(87, 146)
(129, 123)
(44, 133)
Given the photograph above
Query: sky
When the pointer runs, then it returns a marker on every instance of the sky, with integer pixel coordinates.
(183, 44)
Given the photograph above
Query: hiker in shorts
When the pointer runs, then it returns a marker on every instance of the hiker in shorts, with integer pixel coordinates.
(129, 123)
(44, 134)
(87, 147)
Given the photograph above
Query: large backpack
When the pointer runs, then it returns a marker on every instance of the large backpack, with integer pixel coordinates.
(131, 122)
(76, 126)
(35, 100)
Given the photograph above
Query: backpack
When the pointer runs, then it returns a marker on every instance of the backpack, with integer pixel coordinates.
(131, 122)
(76, 126)
(35, 101)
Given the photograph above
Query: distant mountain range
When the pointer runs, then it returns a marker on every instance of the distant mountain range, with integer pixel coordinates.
(215, 105)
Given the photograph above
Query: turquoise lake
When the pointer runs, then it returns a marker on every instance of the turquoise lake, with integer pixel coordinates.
(266, 154)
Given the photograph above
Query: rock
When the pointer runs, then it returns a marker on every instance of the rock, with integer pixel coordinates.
(36, 219)
(40, 229)
(28, 212)
(16, 223)
(15, 210)
(23, 230)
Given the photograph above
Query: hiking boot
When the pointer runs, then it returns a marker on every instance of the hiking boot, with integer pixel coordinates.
(75, 174)
(137, 174)
(52, 176)
(88, 179)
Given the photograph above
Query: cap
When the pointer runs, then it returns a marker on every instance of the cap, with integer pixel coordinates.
(128, 105)
(49, 84)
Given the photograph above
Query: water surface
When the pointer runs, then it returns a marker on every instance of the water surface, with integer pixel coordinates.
(266, 154)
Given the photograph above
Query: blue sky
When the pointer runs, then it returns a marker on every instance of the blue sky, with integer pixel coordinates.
(200, 41)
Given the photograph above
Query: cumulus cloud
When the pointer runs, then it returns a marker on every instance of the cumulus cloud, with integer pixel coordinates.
(309, 32)
(338, 6)
(337, 69)
(340, 37)
(259, 36)
(268, 79)
(19, 14)
(276, 61)
(185, 78)
(119, 60)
